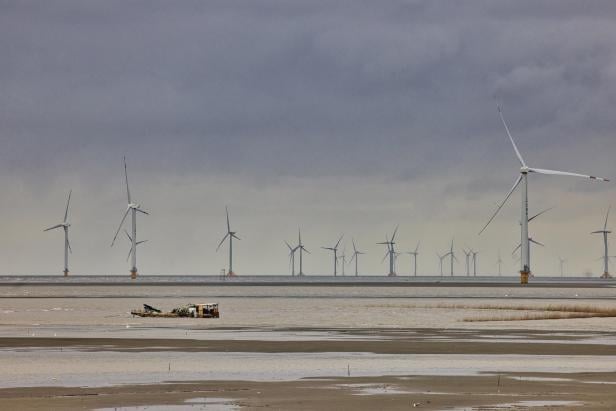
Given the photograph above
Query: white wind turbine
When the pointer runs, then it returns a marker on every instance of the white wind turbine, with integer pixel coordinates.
(133, 209)
(302, 249)
(606, 256)
(452, 256)
(65, 225)
(292, 251)
(343, 259)
(231, 235)
(414, 254)
(474, 262)
(525, 269)
(499, 262)
(335, 251)
(355, 256)
(467, 255)
(391, 252)
(440, 259)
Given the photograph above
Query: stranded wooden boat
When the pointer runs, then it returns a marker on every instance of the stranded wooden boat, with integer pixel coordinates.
(207, 310)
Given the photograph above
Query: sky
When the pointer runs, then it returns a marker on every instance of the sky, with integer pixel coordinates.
(342, 118)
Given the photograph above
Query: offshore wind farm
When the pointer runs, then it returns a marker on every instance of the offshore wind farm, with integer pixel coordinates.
(307, 205)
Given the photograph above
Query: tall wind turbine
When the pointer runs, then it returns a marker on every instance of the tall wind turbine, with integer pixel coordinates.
(343, 259)
(606, 258)
(335, 251)
(525, 269)
(231, 235)
(414, 254)
(467, 255)
(133, 209)
(292, 251)
(131, 242)
(391, 252)
(474, 262)
(355, 255)
(452, 256)
(302, 249)
(441, 258)
(65, 225)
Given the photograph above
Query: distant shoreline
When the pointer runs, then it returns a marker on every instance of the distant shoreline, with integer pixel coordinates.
(305, 281)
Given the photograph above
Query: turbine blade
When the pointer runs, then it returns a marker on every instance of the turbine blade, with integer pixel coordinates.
(606, 216)
(222, 241)
(120, 227)
(516, 249)
(594, 232)
(236, 237)
(417, 248)
(536, 242)
(538, 214)
(142, 241)
(128, 235)
(394, 234)
(142, 211)
(69, 247)
(126, 177)
(354, 249)
(130, 251)
(53, 228)
(306, 250)
(385, 256)
(517, 152)
(228, 224)
(515, 185)
(564, 173)
(289, 246)
(67, 203)
(338, 243)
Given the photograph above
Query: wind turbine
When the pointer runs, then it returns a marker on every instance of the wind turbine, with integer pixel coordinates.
(355, 256)
(562, 262)
(65, 225)
(343, 259)
(452, 256)
(525, 269)
(131, 241)
(499, 262)
(302, 249)
(606, 258)
(441, 258)
(474, 262)
(414, 254)
(292, 251)
(467, 255)
(231, 235)
(335, 250)
(391, 252)
(133, 209)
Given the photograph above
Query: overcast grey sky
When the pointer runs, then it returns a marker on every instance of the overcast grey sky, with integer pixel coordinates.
(339, 117)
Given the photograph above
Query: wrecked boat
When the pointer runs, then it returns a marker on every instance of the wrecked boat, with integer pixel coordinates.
(205, 310)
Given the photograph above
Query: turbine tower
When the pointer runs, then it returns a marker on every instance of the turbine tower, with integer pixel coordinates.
(355, 256)
(65, 225)
(302, 249)
(133, 209)
(499, 262)
(231, 235)
(391, 252)
(525, 269)
(474, 262)
(452, 257)
(335, 251)
(606, 257)
(292, 251)
(343, 259)
(467, 255)
(414, 254)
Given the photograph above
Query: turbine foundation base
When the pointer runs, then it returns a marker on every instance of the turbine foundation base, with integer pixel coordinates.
(606, 275)
(392, 275)
(231, 274)
(524, 277)
(133, 274)
(65, 273)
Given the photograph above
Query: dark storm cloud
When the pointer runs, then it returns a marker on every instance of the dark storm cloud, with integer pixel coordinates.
(399, 91)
